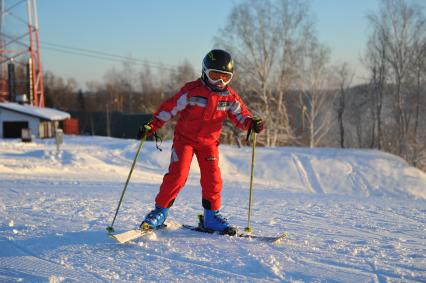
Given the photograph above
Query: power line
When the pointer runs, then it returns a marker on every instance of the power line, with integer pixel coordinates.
(102, 55)
(138, 62)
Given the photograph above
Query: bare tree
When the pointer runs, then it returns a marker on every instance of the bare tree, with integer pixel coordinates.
(402, 25)
(314, 82)
(129, 80)
(251, 35)
(116, 91)
(150, 93)
(418, 74)
(180, 75)
(344, 80)
(265, 38)
(60, 93)
(376, 63)
(296, 30)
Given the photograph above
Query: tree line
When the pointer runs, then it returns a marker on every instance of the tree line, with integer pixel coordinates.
(286, 75)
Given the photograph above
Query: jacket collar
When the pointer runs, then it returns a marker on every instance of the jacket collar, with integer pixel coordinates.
(223, 92)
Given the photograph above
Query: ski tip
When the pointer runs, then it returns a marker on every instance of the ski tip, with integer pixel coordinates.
(278, 240)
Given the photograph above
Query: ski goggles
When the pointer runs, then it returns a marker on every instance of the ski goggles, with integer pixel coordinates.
(216, 76)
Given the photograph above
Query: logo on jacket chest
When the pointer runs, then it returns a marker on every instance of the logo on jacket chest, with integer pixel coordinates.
(222, 105)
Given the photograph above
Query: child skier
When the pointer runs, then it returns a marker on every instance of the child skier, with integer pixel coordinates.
(202, 106)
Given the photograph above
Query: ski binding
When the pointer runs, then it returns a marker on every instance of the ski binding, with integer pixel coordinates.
(270, 239)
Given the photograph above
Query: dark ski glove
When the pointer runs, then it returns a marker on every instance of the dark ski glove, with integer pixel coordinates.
(146, 129)
(257, 124)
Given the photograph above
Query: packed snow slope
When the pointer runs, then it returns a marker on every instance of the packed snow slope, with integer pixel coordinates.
(351, 215)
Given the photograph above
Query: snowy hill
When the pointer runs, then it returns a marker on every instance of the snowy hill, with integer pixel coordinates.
(352, 215)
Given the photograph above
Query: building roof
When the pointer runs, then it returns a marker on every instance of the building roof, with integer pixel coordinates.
(40, 112)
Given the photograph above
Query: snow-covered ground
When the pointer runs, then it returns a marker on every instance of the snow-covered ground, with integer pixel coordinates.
(351, 215)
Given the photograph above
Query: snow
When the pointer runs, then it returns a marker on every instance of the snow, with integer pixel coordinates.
(351, 215)
(45, 112)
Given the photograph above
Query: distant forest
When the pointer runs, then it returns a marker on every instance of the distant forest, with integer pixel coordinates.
(285, 75)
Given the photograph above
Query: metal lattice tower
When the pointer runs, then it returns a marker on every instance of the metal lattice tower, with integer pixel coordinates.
(20, 47)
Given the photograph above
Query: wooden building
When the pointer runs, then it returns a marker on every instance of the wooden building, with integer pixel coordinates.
(41, 121)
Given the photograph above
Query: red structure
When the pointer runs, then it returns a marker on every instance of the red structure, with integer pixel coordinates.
(71, 127)
(23, 49)
(3, 89)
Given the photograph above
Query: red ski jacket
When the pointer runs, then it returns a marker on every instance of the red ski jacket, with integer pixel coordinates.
(202, 112)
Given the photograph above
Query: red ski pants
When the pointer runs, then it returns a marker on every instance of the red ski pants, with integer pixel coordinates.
(174, 180)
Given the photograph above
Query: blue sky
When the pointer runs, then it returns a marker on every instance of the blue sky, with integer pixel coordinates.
(170, 31)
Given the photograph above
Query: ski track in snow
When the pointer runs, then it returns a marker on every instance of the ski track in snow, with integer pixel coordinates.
(307, 173)
(55, 209)
(22, 263)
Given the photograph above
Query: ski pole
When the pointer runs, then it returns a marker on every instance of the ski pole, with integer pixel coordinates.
(248, 228)
(110, 229)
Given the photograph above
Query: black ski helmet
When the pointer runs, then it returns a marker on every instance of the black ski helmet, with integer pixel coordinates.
(217, 59)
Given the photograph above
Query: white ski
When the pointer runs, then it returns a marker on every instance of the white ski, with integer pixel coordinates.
(129, 235)
(134, 234)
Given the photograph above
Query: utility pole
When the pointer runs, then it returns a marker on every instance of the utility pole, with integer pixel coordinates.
(3, 67)
(108, 120)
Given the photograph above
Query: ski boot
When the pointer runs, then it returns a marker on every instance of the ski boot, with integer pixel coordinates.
(213, 221)
(155, 219)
